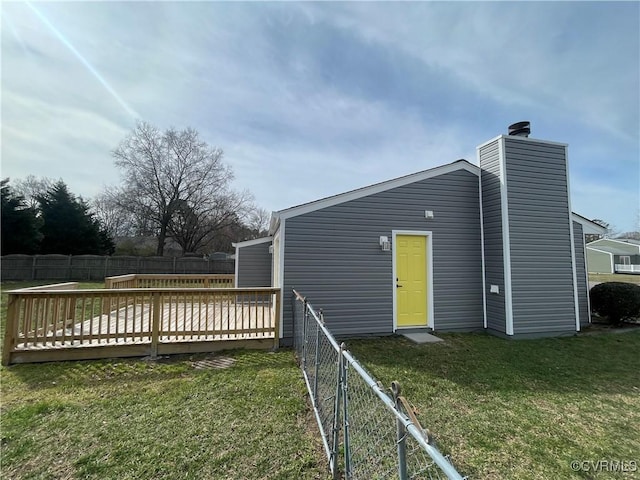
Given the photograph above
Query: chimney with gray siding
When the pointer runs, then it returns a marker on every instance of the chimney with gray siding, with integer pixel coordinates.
(528, 252)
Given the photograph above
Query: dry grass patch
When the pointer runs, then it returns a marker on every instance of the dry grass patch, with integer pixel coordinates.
(614, 277)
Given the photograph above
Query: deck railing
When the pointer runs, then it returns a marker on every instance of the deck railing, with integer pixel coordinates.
(45, 324)
(161, 281)
(621, 268)
(170, 281)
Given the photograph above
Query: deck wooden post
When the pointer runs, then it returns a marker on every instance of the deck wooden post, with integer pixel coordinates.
(155, 327)
(276, 333)
(11, 329)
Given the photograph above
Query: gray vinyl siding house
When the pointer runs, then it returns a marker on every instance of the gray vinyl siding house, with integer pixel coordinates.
(504, 253)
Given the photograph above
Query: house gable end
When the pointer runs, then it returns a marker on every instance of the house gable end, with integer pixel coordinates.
(371, 190)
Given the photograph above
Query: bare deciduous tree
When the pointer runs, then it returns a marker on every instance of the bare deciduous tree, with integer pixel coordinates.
(31, 187)
(258, 221)
(178, 182)
(193, 228)
(109, 210)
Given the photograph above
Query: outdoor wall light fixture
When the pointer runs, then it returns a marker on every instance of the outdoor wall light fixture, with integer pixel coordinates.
(428, 214)
(385, 244)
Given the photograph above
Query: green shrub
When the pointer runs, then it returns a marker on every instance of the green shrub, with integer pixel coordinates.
(618, 301)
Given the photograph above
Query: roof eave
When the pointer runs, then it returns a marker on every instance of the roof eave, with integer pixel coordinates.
(370, 190)
(588, 227)
(255, 241)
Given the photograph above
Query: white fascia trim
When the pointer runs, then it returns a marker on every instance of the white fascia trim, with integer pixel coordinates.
(430, 320)
(255, 241)
(274, 223)
(586, 274)
(587, 225)
(506, 242)
(484, 274)
(576, 304)
(376, 188)
(281, 230)
(618, 241)
(236, 265)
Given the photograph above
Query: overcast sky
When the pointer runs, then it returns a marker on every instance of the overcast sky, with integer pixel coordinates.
(312, 99)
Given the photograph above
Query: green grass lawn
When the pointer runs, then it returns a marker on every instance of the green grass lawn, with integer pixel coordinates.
(132, 419)
(502, 409)
(520, 409)
(136, 419)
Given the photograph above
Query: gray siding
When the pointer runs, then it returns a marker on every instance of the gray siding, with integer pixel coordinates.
(540, 238)
(254, 266)
(583, 289)
(492, 225)
(333, 256)
(598, 262)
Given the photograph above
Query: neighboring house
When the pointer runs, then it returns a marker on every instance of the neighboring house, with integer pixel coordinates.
(607, 255)
(454, 248)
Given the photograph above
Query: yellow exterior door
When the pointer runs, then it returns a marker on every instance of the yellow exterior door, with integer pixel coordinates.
(411, 281)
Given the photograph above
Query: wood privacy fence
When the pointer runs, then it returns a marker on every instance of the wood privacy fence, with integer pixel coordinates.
(60, 322)
(95, 267)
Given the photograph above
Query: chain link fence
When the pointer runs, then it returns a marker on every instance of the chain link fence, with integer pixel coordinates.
(368, 432)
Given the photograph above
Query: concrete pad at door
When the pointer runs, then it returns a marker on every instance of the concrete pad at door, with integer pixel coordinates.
(422, 337)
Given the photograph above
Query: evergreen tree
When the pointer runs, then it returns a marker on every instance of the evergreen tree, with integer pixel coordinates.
(68, 225)
(20, 226)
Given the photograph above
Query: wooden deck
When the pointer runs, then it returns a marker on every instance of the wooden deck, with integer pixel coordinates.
(51, 324)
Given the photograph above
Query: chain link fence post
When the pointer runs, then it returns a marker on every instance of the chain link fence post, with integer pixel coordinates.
(345, 413)
(317, 360)
(305, 321)
(402, 434)
(335, 448)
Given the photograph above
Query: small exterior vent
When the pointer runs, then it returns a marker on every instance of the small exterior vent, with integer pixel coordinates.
(520, 129)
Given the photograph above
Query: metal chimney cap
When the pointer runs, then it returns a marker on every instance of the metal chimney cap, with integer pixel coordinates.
(520, 129)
